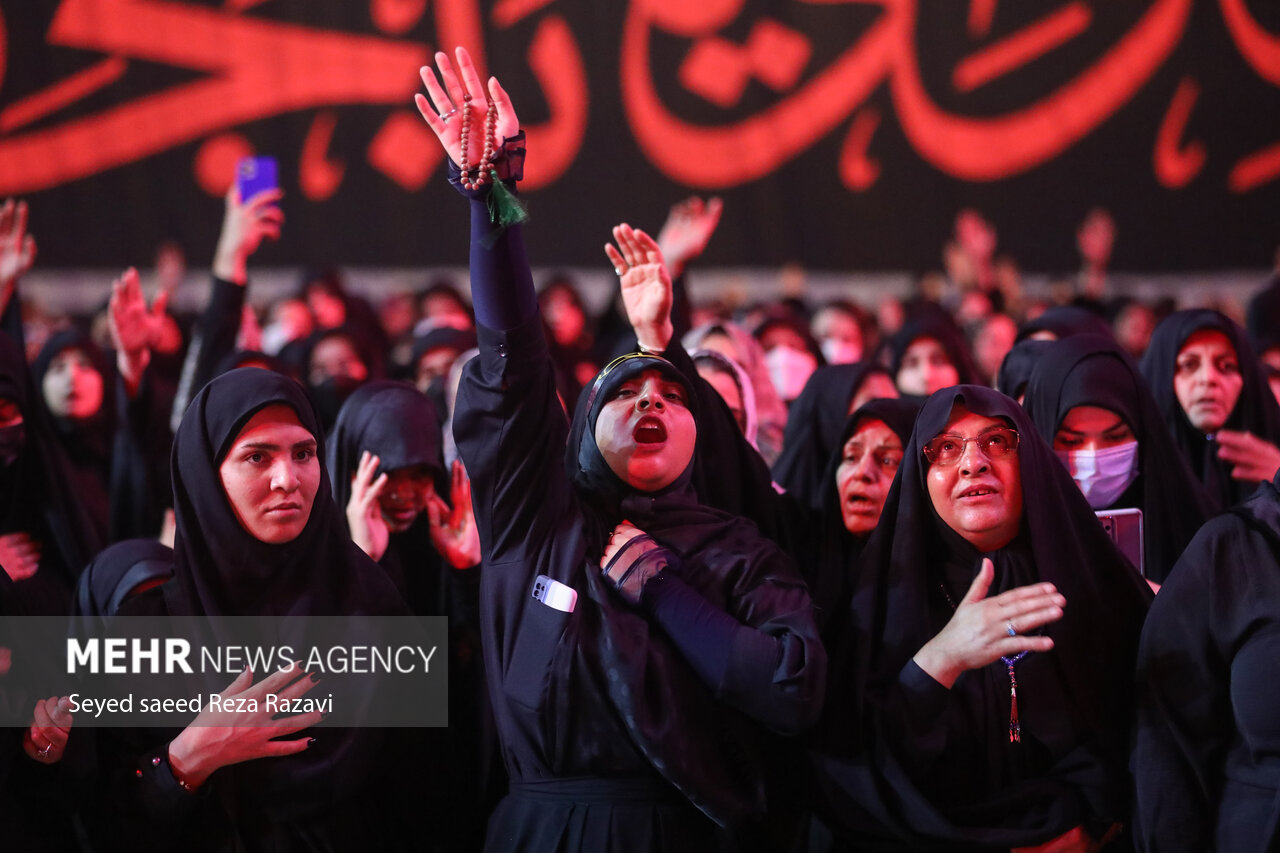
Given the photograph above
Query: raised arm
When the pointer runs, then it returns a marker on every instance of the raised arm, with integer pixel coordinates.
(17, 254)
(508, 422)
(244, 226)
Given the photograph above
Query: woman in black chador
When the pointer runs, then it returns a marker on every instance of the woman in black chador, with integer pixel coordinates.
(815, 420)
(258, 534)
(1215, 402)
(639, 645)
(989, 658)
(1205, 759)
(1088, 399)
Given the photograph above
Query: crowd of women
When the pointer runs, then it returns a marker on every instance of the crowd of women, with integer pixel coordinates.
(784, 583)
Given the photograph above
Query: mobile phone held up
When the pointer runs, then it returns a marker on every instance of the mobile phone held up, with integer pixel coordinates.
(255, 175)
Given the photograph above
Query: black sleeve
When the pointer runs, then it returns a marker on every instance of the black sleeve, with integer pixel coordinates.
(140, 485)
(213, 339)
(774, 672)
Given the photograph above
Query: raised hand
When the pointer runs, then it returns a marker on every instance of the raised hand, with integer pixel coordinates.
(17, 248)
(220, 738)
(46, 738)
(19, 556)
(688, 228)
(646, 285)
(134, 327)
(245, 225)
(983, 630)
(454, 531)
(454, 93)
(1253, 459)
(364, 514)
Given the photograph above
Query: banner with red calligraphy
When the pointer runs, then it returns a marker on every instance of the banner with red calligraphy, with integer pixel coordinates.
(841, 133)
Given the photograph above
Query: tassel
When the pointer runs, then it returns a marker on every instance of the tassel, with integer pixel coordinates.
(504, 208)
(1015, 728)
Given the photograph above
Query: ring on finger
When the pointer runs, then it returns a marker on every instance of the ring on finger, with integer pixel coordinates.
(619, 270)
(444, 117)
(45, 751)
(1009, 629)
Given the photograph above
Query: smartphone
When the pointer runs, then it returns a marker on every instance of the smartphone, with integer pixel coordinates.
(1124, 526)
(554, 594)
(255, 174)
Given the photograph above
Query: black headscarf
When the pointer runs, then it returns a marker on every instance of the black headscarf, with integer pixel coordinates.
(112, 576)
(38, 497)
(813, 427)
(397, 423)
(87, 442)
(1065, 321)
(674, 719)
(942, 329)
(831, 549)
(1015, 370)
(979, 790)
(1088, 370)
(1256, 410)
(329, 394)
(223, 570)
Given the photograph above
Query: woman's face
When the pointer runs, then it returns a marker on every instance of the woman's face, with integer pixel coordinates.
(1207, 380)
(727, 387)
(871, 458)
(646, 432)
(1091, 428)
(405, 496)
(271, 475)
(334, 357)
(73, 386)
(877, 386)
(926, 368)
(979, 494)
(564, 316)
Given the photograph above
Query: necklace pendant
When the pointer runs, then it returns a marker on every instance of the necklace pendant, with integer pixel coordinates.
(1015, 728)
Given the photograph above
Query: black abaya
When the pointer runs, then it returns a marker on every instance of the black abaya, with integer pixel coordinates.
(906, 764)
(1256, 410)
(1088, 370)
(1206, 760)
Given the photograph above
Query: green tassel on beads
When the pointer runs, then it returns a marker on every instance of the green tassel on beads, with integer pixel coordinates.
(505, 209)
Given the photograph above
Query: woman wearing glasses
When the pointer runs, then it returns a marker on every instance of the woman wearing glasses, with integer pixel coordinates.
(989, 654)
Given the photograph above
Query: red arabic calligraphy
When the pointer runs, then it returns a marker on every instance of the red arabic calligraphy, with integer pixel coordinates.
(249, 67)
(253, 69)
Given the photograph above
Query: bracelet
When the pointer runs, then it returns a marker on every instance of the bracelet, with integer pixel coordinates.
(173, 771)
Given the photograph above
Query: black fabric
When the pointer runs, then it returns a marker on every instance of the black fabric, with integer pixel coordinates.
(907, 764)
(1256, 410)
(600, 692)
(1205, 757)
(114, 574)
(1063, 321)
(813, 427)
(822, 546)
(87, 442)
(1088, 370)
(1017, 366)
(38, 497)
(317, 799)
(942, 329)
(398, 424)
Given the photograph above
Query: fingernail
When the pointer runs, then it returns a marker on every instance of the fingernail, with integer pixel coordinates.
(310, 741)
(315, 676)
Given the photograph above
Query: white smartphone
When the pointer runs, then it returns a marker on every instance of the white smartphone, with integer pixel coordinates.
(554, 594)
(1124, 526)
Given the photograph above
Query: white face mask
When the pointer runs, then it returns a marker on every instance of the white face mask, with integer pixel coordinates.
(789, 369)
(840, 352)
(1102, 475)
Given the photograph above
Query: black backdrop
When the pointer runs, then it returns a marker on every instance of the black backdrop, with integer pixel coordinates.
(841, 135)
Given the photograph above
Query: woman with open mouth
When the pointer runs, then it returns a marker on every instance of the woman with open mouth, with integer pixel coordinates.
(1215, 402)
(641, 648)
(989, 652)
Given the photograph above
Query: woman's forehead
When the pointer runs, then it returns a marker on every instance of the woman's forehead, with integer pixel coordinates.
(1214, 339)
(970, 423)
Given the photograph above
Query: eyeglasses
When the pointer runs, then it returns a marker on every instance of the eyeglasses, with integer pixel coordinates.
(995, 443)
